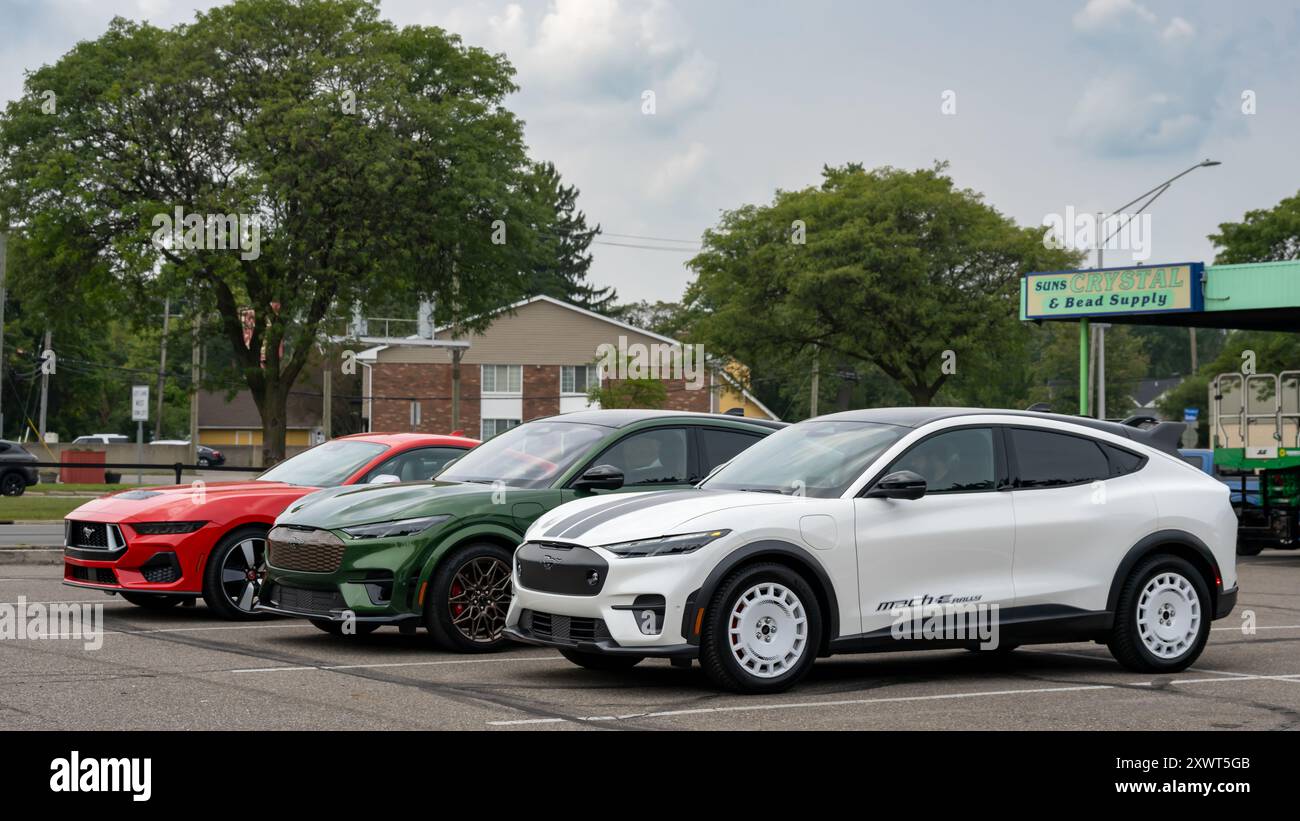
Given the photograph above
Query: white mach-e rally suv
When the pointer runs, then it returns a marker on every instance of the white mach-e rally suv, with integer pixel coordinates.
(828, 536)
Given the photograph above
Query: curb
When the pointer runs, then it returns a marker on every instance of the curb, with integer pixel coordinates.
(31, 555)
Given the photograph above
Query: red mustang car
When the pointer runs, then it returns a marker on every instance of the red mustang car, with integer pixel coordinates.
(161, 546)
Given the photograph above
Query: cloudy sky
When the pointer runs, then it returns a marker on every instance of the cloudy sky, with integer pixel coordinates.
(1081, 104)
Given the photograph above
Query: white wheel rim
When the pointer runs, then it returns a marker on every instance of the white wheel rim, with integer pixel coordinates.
(767, 630)
(1169, 615)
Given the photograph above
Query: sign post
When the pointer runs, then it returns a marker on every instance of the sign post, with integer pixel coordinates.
(139, 415)
(1191, 417)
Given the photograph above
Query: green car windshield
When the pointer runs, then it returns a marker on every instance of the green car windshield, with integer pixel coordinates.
(327, 465)
(532, 455)
(818, 459)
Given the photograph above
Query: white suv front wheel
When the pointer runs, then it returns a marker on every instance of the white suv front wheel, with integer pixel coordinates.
(762, 630)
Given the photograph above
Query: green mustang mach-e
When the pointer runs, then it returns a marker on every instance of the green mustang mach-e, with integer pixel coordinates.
(438, 553)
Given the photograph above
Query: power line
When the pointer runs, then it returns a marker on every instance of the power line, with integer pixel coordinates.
(647, 247)
(652, 239)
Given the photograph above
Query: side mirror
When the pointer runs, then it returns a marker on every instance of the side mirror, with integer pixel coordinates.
(901, 484)
(384, 479)
(600, 477)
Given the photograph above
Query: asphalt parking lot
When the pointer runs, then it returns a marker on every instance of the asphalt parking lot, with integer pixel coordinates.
(183, 670)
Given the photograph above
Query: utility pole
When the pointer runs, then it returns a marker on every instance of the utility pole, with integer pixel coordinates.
(45, 385)
(455, 388)
(327, 388)
(162, 368)
(1191, 333)
(4, 259)
(194, 392)
(816, 381)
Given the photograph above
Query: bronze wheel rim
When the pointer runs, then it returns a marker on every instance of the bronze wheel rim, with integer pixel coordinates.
(479, 598)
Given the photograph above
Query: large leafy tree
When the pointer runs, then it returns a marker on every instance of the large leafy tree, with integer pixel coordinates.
(380, 164)
(1263, 235)
(894, 269)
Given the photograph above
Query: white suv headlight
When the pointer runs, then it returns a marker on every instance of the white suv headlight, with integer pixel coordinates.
(665, 545)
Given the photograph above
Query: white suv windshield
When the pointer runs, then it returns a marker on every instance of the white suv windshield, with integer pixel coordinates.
(534, 454)
(819, 459)
(327, 465)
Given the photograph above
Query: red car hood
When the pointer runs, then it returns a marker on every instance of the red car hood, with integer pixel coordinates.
(185, 502)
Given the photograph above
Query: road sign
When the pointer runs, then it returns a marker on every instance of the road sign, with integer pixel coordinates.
(139, 403)
(1190, 415)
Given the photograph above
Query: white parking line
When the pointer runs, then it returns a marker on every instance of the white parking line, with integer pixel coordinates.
(740, 708)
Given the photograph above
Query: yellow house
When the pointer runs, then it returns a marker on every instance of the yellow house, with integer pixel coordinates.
(228, 423)
(732, 394)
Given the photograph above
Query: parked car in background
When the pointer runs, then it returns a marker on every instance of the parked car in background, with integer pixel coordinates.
(161, 546)
(438, 553)
(843, 533)
(15, 475)
(102, 439)
(204, 455)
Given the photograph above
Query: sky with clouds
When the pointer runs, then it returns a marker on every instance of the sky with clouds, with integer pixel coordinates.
(1081, 104)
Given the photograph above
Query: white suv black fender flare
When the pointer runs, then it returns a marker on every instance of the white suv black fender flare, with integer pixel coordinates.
(1177, 543)
(792, 555)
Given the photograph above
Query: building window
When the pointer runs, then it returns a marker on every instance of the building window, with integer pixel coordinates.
(491, 427)
(415, 414)
(503, 379)
(577, 378)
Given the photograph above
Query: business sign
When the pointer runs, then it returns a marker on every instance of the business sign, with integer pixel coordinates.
(1146, 289)
(1191, 414)
(139, 403)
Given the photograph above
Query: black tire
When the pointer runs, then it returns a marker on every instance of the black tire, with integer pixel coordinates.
(1249, 548)
(716, 654)
(203, 462)
(479, 615)
(1126, 640)
(153, 601)
(13, 483)
(335, 628)
(218, 592)
(600, 661)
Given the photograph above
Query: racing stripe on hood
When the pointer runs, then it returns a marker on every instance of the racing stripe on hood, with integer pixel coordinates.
(580, 523)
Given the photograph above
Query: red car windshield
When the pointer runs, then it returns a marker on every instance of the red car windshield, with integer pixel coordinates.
(327, 465)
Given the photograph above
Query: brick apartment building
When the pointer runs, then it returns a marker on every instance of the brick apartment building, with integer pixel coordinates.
(536, 358)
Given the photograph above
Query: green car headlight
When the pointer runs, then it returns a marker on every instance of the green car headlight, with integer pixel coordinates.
(665, 545)
(400, 527)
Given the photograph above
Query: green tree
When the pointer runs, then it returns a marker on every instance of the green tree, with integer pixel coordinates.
(563, 240)
(370, 162)
(887, 268)
(642, 392)
(1054, 367)
(1264, 235)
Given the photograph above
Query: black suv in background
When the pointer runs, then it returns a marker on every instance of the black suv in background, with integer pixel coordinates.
(15, 474)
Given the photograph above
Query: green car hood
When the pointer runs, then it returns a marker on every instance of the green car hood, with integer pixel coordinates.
(352, 505)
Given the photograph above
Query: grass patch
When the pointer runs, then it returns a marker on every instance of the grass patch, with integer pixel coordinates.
(40, 508)
(73, 487)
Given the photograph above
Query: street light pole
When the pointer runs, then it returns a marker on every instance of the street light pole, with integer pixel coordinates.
(1146, 199)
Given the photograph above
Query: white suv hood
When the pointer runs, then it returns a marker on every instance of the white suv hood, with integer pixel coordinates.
(623, 517)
